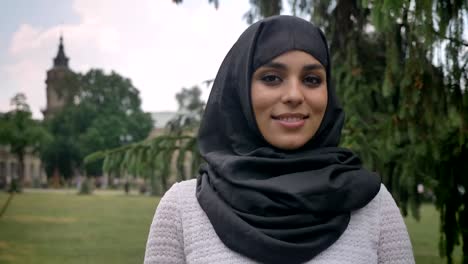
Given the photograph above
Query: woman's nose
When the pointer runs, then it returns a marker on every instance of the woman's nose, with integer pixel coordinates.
(293, 94)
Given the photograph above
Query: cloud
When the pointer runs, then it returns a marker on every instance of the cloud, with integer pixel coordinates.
(26, 38)
(161, 46)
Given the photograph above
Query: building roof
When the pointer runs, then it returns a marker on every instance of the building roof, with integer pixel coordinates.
(61, 60)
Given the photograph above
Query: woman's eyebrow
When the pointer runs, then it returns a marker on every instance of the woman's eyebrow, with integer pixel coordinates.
(315, 66)
(275, 65)
(281, 66)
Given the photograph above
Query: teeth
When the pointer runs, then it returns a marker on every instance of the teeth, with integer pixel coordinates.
(290, 119)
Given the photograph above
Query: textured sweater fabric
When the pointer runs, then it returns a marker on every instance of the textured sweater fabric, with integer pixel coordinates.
(182, 233)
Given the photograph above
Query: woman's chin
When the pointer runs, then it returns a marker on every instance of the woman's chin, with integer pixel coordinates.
(288, 143)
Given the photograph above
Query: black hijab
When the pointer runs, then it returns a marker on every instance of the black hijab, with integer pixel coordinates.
(272, 205)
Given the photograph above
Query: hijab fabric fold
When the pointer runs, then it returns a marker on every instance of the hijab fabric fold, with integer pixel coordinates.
(272, 205)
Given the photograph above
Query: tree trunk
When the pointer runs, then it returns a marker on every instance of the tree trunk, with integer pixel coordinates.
(154, 184)
(127, 187)
(17, 179)
(464, 229)
(56, 178)
(20, 171)
(7, 203)
(389, 180)
(163, 182)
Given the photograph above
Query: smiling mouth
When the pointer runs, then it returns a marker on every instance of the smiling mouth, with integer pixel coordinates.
(290, 118)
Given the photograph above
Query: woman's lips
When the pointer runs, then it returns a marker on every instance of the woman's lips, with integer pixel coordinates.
(291, 120)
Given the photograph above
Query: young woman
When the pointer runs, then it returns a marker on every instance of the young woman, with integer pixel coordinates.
(275, 187)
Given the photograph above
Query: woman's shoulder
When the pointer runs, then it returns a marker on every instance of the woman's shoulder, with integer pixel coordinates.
(183, 188)
(379, 205)
(182, 194)
(383, 209)
(382, 198)
(180, 191)
(385, 199)
(383, 192)
(187, 184)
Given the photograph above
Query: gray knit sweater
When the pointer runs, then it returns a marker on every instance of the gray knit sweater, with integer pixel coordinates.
(182, 233)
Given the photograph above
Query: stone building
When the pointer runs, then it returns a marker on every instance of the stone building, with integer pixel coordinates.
(34, 175)
(56, 81)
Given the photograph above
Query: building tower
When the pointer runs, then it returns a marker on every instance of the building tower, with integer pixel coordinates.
(56, 90)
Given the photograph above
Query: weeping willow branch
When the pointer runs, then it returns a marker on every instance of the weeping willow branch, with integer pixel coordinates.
(152, 158)
(457, 41)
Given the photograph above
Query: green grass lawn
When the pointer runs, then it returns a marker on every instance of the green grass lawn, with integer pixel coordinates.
(61, 227)
(425, 237)
(69, 228)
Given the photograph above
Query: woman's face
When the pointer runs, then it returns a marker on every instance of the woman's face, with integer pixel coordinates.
(289, 98)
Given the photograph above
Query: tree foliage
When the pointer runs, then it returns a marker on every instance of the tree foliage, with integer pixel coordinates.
(21, 133)
(103, 111)
(401, 69)
(151, 159)
(155, 158)
(190, 111)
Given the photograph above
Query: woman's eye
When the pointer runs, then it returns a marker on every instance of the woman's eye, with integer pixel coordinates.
(271, 79)
(312, 80)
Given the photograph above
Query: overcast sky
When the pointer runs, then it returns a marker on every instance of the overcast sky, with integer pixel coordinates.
(160, 46)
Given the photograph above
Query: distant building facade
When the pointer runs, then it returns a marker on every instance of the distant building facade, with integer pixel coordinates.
(56, 90)
(34, 175)
(160, 120)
